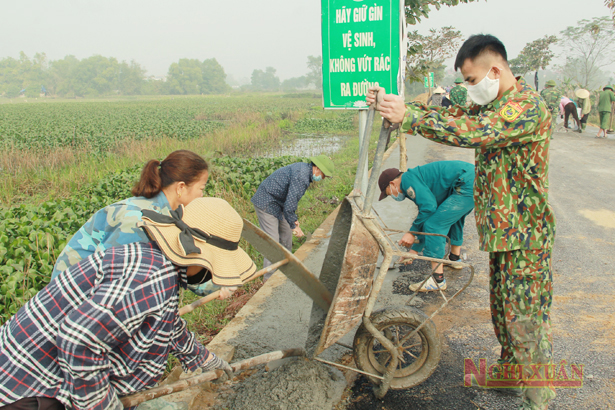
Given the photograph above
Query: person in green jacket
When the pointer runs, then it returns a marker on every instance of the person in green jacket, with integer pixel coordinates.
(442, 191)
(459, 94)
(552, 97)
(604, 109)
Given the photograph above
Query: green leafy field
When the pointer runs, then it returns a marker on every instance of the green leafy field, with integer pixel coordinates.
(99, 125)
(33, 233)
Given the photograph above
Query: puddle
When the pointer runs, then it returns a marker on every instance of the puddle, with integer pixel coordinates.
(307, 145)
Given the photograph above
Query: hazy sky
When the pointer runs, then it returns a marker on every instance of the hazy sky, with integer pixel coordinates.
(242, 35)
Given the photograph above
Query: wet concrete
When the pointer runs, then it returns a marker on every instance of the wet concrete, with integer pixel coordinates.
(284, 388)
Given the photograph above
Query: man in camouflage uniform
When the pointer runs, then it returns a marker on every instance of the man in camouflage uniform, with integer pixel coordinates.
(551, 97)
(510, 132)
(459, 94)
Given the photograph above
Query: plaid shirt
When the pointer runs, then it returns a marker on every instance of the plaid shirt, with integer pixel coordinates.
(103, 327)
(279, 194)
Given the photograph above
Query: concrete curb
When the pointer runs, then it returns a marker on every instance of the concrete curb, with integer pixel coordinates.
(219, 344)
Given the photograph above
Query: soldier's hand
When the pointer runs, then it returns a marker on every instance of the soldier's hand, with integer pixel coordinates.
(370, 98)
(391, 106)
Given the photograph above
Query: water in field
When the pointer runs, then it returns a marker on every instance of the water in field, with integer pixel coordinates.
(307, 145)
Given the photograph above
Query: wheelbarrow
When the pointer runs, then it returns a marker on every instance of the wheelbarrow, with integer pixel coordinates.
(396, 347)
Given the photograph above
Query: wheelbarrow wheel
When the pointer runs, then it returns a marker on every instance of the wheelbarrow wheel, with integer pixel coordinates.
(421, 353)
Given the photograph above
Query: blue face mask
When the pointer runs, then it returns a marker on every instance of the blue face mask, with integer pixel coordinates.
(399, 197)
(316, 178)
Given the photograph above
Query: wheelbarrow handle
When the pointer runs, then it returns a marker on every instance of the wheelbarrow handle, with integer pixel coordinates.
(138, 398)
(200, 302)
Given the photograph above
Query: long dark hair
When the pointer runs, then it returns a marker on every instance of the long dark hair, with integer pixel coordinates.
(181, 165)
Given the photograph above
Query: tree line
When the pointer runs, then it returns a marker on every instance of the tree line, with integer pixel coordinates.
(586, 51)
(96, 76)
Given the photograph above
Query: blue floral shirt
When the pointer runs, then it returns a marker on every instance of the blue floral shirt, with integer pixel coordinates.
(114, 225)
(280, 193)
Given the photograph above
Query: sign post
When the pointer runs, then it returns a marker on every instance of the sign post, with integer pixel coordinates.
(363, 45)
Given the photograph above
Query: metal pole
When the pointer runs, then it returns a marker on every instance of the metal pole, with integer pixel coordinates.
(360, 180)
(385, 131)
(364, 134)
(214, 295)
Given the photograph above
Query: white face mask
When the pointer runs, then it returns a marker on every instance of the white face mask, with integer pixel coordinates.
(485, 91)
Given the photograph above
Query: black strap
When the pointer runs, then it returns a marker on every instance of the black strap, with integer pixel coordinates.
(187, 234)
(203, 276)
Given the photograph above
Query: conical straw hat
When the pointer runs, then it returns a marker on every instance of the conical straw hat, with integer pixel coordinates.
(582, 93)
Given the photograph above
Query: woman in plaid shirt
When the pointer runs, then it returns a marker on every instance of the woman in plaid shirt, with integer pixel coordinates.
(104, 328)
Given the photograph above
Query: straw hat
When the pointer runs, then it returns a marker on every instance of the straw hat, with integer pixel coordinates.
(582, 93)
(439, 90)
(204, 233)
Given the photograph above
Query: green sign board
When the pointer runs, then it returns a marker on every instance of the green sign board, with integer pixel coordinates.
(361, 47)
(429, 81)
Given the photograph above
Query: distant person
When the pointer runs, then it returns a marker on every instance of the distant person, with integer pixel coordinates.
(164, 185)
(552, 97)
(442, 191)
(567, 107)
(604, 109)
(278, 196)
(436, 97)
(446, 102)
(459, 94)
(585, 103)
(105, 327)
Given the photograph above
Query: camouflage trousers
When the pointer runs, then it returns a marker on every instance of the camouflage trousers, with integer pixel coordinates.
(521, 295)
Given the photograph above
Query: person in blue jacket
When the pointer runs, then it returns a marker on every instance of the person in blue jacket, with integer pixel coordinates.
(277, 198)
(442, 191)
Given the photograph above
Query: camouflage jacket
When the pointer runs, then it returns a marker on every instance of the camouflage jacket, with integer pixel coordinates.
(111, 226)
(552, 98)
(511, 137)
(459, 95)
